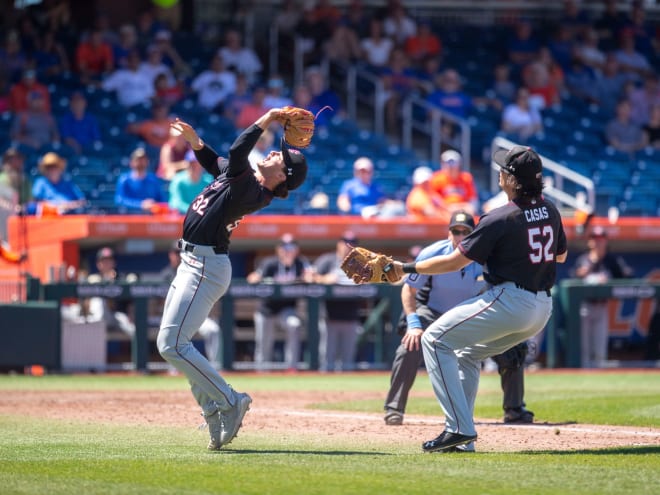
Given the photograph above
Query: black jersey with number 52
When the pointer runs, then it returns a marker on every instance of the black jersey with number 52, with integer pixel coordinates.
(234, 193)
(519, 243)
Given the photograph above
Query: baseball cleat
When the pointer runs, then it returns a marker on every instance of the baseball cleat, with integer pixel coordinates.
(393, 418)
(214, 423)
(519, 415)
(231, 420)
(447, 440)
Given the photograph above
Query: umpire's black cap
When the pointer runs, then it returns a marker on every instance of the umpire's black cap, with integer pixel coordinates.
(520, 161)
(463, 219)
(296, 166)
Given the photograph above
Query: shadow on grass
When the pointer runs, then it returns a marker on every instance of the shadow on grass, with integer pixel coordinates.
(641, 450)
(302, 452)
(520, 423)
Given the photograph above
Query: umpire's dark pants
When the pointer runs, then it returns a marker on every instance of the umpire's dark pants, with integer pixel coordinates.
(406, 363)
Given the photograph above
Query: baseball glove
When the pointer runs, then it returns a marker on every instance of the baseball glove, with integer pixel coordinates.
(364, 266)
(298, 125)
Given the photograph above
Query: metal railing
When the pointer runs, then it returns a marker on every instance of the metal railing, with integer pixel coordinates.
(554, 186)
(432, 127)
(373, 97)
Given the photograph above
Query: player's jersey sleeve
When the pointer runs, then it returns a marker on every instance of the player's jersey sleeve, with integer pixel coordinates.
(240, 150)
(478, 245)
(208, 158)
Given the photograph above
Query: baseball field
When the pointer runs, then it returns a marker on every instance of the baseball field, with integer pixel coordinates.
(596, 433)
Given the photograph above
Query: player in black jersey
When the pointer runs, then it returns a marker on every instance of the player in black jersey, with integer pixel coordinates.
(518, 245)
(205, 271)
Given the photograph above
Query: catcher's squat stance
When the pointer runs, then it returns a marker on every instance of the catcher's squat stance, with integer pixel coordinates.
(205, 271)
(519, 245)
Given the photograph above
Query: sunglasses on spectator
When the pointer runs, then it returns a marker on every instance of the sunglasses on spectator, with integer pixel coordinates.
(460, 232)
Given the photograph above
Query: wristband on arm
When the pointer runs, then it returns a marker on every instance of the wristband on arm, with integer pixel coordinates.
(413, 321)
(409, 268)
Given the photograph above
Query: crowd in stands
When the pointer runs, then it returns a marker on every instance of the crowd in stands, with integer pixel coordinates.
(102, 91)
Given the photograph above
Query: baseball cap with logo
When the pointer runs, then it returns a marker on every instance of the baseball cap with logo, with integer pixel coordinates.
(296, 166)
(463, 219)
(520, 161)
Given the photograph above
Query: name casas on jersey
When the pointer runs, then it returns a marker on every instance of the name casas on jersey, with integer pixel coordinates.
(536, 214)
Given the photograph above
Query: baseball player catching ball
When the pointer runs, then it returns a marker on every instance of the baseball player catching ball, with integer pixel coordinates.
(519, 245)
(205, 270)
(424, 299)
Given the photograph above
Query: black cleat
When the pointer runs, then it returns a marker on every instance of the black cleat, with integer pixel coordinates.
(446, 440)
(518, 415)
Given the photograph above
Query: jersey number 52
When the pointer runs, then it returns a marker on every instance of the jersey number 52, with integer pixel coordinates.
(540, 243)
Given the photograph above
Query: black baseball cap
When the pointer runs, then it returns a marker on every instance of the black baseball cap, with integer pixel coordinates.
(520, 161)
(463, 219)
(296, 166)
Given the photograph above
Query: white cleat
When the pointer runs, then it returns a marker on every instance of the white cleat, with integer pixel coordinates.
(231, 420)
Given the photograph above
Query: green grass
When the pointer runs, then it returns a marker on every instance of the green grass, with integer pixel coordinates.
(67, 457)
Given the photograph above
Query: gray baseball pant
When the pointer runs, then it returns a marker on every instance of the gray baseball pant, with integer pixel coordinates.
(201, 279)
(486, 325)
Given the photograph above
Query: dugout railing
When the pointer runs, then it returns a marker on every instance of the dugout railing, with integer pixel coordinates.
(562, 340)
(380, 324)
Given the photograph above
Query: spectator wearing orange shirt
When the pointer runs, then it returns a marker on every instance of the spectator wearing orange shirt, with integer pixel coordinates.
(423, 44)
(422, 201)
(94, 57)
(455, 186)
(20, 92)
(156, 130)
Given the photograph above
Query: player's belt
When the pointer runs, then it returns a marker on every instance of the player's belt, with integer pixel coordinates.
(197, 249)
(547, 291)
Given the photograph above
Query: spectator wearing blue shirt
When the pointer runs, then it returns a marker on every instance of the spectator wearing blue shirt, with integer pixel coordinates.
(78, 128)
(360, 192)
(52, 191)
(139, 190)
(322, 97)
(449, 95)
(523, 45)
(187, 184)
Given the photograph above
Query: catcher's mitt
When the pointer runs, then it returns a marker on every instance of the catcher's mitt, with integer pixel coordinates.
(298, 125)
(364, 266)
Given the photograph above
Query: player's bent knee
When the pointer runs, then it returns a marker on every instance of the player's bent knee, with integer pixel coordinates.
(165, 348)
(427, 340)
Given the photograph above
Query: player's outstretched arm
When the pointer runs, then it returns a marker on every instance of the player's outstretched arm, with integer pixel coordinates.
(272, 115)
(435, 265)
